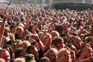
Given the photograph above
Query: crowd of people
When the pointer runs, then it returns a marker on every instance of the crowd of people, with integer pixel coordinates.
(46, 35)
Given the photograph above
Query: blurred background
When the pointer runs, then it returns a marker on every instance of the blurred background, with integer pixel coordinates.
(49, 3)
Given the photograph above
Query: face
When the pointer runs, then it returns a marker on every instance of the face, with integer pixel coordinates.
(13, 29)
(5, 55)
(19, 31)
(47, 38)
(52, 56)
(60, 45)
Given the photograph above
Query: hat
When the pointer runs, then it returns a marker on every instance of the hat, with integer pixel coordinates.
(21, 28)
(21, 24)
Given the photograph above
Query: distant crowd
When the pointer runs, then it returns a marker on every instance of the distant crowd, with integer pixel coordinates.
(46, 35)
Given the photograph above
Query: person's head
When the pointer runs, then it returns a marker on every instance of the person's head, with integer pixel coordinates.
(76, 41)
(5, 55)
(32, 50)
(29, 57)
(44, 59)
(13, 28)
(64, 55)
(19, 52)
(19, 30)
(47, 38)
(58, 27)
(52, 54)
(89, 39)
(55, 34)
(58, 42)
(65, 25)
(19, 60)
(6, 31)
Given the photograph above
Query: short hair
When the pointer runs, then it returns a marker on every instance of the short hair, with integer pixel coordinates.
(57, 40)
(18, 52)
(29, 57)
(29, 48)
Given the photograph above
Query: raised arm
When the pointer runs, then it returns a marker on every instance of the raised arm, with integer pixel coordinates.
(90, 20)
(2, 28)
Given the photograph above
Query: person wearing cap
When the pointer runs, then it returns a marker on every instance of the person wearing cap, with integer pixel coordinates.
(19, 32)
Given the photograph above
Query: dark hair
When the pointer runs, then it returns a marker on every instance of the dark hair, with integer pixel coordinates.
(57, 40)
(29, 57)
(18, 52)
(58, 27)
(29, 48)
